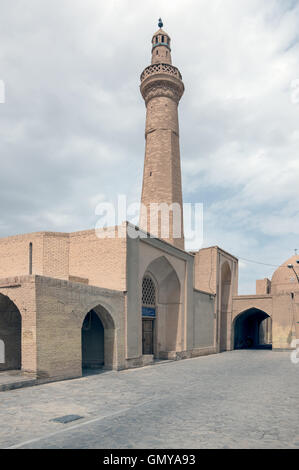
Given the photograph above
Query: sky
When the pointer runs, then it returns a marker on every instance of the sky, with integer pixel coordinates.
(72, 125)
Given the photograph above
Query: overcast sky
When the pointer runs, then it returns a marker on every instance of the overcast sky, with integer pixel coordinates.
(72, 126)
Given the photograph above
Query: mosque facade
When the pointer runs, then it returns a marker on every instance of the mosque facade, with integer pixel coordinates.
(92, 299)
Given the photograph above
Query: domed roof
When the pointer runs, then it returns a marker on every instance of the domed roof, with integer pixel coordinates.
(284, 278)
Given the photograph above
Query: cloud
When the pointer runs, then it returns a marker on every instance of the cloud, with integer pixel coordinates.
(72, 127)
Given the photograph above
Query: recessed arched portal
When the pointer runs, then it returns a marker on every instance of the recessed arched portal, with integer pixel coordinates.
(10, 335)
(149, 311)
(253, 330)
(98, 339)
(165, 308)
(226, 284)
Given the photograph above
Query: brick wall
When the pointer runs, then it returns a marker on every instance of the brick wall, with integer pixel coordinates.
(18, 295)
(205, 270)
(56, 255)
(100, 260)
(14, 254)
(62, 307)
(79, 256)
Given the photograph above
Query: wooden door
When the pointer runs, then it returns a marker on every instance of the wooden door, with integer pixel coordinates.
(147, 336)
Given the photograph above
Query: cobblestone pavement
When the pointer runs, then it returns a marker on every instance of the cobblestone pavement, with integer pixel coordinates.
(239, 399)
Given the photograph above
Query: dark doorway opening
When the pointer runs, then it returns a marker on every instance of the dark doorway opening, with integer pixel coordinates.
(253, 330)
(93, 356)
(10, 335)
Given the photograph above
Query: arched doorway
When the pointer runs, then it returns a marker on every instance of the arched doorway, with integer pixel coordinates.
(167, 328)
(98, 339)
(226, 283)
(10, 334)
(148, 315)
(92, 342)
(253, 330)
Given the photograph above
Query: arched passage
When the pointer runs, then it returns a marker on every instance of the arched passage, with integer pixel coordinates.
(253, 330)
(10, 334)
(226, 283)
(167, 335)
(98, 339)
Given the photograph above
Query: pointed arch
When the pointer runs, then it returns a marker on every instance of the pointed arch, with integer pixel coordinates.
(98, 339)
(166, 277)
(167, 329)
(252, 328)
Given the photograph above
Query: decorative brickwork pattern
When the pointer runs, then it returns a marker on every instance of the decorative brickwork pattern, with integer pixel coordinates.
(160, 68)
(148, 292)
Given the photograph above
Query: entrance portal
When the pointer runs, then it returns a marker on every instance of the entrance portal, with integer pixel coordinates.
(161, 303)
(92, 342)
(148, 315)
(253, 330)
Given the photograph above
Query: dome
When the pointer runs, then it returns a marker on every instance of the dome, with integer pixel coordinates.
(284, 278)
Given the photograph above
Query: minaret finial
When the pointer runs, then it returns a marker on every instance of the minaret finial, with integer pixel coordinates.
(160, 23)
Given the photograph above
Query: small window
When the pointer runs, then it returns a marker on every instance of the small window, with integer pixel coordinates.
(30, 258)
(157, 39)
(157, 52)
(162, 38)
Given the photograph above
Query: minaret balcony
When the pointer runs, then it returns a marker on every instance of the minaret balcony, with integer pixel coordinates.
(160, 68)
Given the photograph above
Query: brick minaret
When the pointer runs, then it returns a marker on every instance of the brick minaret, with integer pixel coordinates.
(162, 88)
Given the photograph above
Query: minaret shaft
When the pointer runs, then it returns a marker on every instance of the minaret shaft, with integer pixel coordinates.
(162, 88)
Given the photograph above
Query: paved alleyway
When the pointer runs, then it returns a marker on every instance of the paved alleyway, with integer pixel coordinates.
(239, 399)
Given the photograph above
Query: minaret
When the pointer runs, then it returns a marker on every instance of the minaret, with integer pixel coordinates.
(162, 88)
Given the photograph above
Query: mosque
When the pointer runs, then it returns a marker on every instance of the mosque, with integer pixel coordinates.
(76, 301)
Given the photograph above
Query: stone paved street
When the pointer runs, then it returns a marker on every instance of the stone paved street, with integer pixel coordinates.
(239, 399)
